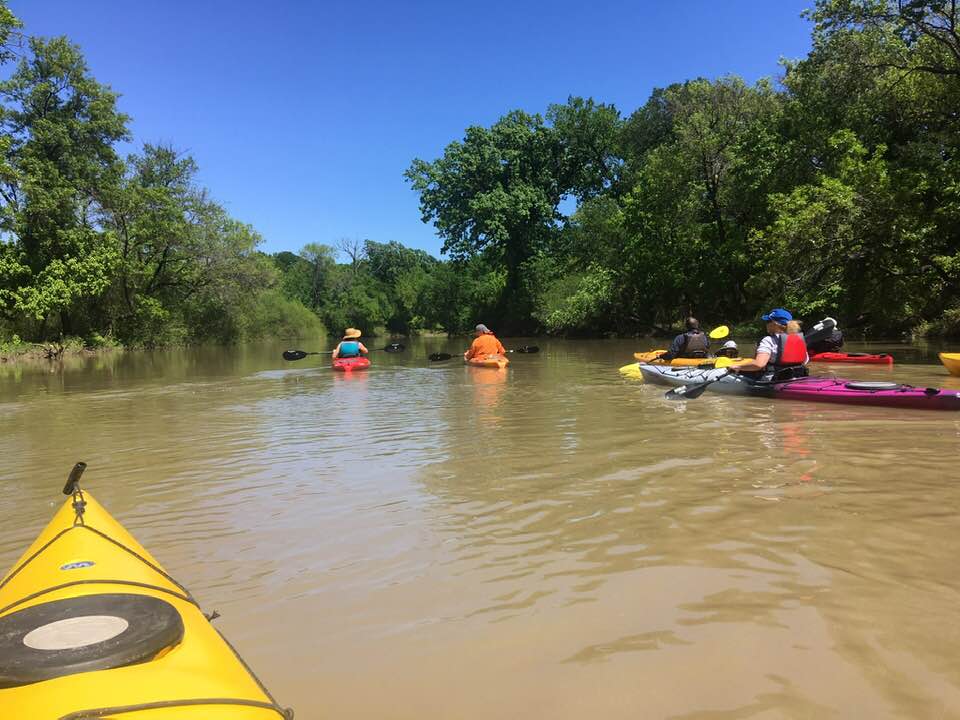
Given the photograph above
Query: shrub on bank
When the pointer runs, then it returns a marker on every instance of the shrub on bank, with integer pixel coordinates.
(272, 315)
(947, 326)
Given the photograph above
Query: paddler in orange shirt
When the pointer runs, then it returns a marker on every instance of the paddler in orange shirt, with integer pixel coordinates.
(484, 344)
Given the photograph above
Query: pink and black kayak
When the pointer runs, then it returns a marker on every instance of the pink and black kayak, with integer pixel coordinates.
(854, 358)
(886, 394)
(811, 389)
(350, 364)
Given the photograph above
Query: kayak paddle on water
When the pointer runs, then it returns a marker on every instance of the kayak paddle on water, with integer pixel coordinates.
(440, 357)
(301, 354)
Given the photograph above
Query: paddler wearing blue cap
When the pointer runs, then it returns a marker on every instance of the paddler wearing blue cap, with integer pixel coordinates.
(782, 352)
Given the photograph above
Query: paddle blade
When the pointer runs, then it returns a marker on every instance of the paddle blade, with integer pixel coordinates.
(718, 333)
(632, 371)
(294, 354)
(528, 349)
(692, 392)
(395, 347)
(686, 392)
(437, 357)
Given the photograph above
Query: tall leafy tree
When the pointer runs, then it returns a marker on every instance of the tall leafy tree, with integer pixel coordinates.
(499, 190)
(697, 195)
(59, 126)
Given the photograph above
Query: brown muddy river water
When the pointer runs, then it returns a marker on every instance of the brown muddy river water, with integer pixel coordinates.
(553, 541)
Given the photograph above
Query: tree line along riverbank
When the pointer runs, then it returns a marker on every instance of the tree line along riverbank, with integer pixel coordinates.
(832, 190)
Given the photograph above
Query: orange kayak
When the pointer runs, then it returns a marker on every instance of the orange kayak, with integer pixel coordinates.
(489, 361)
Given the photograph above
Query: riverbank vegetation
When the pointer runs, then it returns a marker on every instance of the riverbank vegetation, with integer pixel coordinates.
(835, 190)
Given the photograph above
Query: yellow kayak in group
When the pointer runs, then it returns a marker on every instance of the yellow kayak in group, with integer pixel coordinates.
(91, 626)
(633, 369)
(951, 361)
(650, 358)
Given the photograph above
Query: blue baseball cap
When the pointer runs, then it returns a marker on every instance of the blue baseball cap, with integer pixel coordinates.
(778, 315)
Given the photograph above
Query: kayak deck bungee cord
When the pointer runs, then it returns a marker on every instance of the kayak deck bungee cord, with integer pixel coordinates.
(91, 626)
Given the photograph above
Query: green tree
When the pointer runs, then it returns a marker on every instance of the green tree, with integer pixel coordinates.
(59, 126)
(498, 191)
(697, 195)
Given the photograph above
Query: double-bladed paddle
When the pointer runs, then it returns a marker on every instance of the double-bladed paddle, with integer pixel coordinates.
(300, 354)
(439, 357)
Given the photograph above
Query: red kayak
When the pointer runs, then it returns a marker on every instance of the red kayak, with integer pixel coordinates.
(858, 358)
(350, 364)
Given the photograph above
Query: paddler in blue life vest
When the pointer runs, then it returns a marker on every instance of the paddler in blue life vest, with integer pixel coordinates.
(350, 346)
(693, 343)
(781, 355)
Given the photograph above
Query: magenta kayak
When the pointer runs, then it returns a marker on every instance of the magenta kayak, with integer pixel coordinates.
(851, 392)
(811, 389)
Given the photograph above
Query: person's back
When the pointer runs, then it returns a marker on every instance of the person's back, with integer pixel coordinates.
(349, 349)
(484, 344)
(350, 346)
(690, 344)
(785, 345)
(780, 355)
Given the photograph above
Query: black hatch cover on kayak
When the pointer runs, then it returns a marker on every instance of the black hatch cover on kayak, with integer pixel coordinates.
(92, 632)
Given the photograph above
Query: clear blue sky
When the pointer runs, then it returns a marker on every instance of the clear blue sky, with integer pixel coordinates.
(304, 115)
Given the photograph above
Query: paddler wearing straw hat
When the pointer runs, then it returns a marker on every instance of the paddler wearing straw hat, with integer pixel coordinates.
(350, 346)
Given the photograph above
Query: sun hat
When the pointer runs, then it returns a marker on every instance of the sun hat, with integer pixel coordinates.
(482, 328)
(351, 334)
(729, 345)
(778, 315)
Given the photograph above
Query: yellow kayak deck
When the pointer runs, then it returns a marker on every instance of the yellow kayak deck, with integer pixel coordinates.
(89, 560)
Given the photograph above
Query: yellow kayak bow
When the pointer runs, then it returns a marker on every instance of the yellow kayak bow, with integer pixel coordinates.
(91, 626)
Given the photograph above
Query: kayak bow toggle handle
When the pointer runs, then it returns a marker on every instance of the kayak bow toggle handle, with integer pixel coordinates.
(73, 482)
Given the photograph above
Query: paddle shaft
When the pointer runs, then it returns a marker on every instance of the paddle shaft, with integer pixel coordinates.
(292, 355)
(443, 357)
(692, 392)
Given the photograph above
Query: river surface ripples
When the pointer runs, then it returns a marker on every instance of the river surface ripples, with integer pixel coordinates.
(552, 541)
